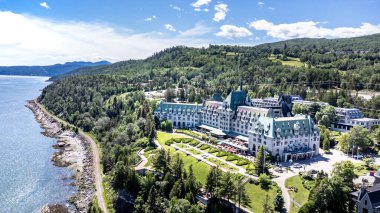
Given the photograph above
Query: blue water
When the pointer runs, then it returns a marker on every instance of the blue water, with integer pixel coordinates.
(28, 180)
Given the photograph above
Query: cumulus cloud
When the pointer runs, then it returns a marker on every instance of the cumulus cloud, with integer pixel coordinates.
(221, 12)
(45, 5)
(200, 3)
(29, 40)
(150, 18)
(260, 3)
(198, 29)
(170, 27)
(311, 29)
(232, 31)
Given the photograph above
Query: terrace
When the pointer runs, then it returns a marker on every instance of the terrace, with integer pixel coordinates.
(235, 146)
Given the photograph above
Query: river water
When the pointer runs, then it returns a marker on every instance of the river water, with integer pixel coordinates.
(28, 180)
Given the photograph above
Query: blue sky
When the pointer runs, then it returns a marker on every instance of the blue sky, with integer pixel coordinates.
(55, 31)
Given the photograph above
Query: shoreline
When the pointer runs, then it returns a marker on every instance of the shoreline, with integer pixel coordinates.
(74, 152)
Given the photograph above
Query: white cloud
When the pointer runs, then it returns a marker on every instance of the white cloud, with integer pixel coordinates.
(29, 40)
(170, 27)
(174, 7)
(221, 11)
(271, 8)
(150, 18)
(45, 5)
(260, 3)
(311, 29)
(200, 3)
(232, 31)
(198, 29)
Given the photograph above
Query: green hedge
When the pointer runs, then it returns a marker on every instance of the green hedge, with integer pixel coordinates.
(242, 162)
(222, 154)
(194, 143)
(213, 150)
(231, 158)
(204, 147)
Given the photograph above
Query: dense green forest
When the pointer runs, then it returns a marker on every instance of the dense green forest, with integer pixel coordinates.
(333, 70)
(109, 102)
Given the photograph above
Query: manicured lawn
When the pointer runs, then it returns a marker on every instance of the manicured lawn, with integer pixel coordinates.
(193, 151)
(257, 195)
(200, 169)
(302, 195)
(183, 146)
(221, 164)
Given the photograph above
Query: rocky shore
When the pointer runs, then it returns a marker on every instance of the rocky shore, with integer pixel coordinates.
(73, 151)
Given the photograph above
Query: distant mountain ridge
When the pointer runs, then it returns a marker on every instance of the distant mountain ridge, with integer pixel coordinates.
(216, 56)
(50, 70)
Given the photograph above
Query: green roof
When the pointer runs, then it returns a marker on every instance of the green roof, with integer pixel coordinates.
(165, 107)
(285, 125)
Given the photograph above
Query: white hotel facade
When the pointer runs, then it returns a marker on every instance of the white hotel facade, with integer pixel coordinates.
(285, 136)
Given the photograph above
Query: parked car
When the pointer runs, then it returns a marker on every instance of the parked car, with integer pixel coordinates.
(297, 165)
(278, 169)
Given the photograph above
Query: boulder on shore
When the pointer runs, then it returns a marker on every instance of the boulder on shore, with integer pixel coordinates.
(54, 208)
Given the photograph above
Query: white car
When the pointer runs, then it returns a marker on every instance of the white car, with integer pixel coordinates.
(297, 165)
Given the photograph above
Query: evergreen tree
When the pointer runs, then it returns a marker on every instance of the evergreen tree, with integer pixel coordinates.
(326, 144)
(278, 202)
(259, 161)
(267, 208)
(227, 186)
(212, 181)
(241, 193)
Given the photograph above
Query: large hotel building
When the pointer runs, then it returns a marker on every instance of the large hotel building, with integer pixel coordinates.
(256, 123)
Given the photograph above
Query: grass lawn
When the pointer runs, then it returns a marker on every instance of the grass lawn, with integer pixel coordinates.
(193, 151)
(302, 195)
(183, 146)
(149, 155)
(221, 164)
(294, 62)
(200, 169)
(257, 195)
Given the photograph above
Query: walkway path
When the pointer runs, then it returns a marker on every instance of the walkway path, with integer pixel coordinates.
(280, 180)
(96, 161)
(143, 161)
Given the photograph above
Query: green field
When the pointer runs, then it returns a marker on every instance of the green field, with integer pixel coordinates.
(302, 195)
(293, 62)
(257, 195)
(221, 164)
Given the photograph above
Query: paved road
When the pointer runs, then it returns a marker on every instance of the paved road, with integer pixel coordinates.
(96, 161)
(97, 172)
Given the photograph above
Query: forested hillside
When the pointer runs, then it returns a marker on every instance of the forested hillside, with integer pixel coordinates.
(327, 70)
(344, 63)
